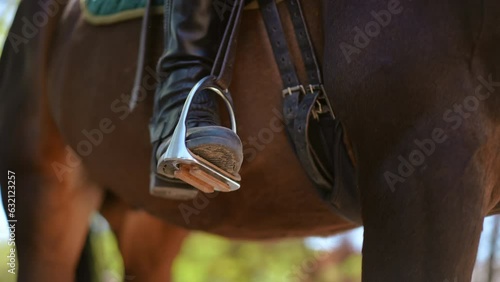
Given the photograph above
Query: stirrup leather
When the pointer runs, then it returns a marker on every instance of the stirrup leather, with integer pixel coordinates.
(179, 163)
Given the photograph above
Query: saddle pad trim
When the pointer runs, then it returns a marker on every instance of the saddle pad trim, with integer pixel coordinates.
(131, 14)
(116, 17)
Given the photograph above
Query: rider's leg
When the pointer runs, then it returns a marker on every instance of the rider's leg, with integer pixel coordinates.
(193, 32)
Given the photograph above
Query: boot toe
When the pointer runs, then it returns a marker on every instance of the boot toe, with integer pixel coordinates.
(216, 144)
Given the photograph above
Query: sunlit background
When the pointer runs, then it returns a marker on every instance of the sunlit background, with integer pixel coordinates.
(310, 259)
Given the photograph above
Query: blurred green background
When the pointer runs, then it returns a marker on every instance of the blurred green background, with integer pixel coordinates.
(206, 258)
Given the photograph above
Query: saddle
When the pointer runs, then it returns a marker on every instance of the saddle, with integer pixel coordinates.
(314, 132)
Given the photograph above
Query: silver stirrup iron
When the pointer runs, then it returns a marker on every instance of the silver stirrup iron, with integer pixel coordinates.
(178, 162)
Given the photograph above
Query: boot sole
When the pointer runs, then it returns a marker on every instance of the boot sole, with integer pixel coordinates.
(216, 145)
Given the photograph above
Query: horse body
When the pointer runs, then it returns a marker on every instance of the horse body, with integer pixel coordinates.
(428, 170)
(276, 200)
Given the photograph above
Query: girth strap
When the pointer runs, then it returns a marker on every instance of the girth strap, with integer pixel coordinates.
(279, 44)
(305, 44)
(315, 134)
(299, 101)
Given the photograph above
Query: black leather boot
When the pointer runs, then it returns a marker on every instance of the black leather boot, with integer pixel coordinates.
(193, 32)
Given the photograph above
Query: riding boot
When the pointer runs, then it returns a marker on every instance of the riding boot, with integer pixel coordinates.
(193, 33)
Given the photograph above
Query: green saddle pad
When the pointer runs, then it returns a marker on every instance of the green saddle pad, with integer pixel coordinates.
(103, 12)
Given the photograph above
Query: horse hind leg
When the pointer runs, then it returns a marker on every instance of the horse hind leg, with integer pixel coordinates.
(52, 211)
(423, 214)
(148, 245)
(52, 206)
(424, 201)
(52, 201)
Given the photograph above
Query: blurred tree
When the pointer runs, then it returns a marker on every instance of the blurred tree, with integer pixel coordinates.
(493, 248)
(210, 258)
(5, 276)
(7, 10)
(206, 257)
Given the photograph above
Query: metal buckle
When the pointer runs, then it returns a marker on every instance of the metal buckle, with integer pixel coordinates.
(178, 162)
(289, 90)
(314, 87)
(322, 103)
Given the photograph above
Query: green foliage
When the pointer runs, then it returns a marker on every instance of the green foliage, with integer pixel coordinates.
(210, 258)
(108, 265)
(5, 276)
(351, 267)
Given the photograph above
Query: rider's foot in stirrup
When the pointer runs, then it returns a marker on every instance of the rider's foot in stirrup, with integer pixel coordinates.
(205, 138)
(193, 33)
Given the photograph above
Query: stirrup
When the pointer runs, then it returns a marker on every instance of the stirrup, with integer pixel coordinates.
(179, 163)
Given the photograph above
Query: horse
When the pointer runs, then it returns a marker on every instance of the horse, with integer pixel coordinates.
(414, 84)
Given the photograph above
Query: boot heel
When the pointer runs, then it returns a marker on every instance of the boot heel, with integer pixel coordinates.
(171, 189)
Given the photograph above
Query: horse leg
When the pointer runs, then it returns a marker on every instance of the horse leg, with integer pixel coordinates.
(52, 210)
(149, 247)
(429, 228)
(53, 198)
(423, 132)
(423, 185)
(424, 196)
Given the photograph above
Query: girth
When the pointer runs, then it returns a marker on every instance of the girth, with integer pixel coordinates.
(314, 132)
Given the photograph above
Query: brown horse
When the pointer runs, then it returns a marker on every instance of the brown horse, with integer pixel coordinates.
(413, 82)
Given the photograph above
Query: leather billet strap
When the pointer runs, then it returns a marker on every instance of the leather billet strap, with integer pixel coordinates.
(291, 83)
(141, 57)
(224, 61)
(314, 166)
(279, 43)
(305, 44)
(311, 125)
(298, 101)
